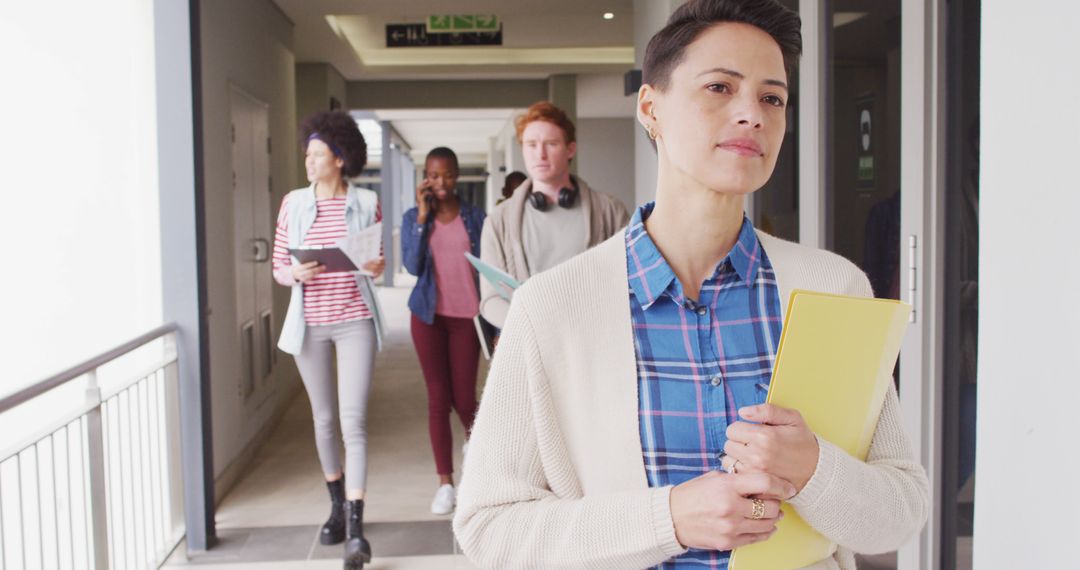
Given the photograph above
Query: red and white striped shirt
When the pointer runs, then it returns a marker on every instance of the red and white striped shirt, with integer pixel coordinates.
(329, 298)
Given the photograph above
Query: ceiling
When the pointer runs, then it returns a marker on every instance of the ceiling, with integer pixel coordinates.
(539, 38)
(466, 131)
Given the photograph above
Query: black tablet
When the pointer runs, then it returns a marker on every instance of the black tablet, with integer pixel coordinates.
(333, 258)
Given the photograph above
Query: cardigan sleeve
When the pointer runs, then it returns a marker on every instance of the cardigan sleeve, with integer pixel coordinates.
(873, 506)
(870, 507)
(520, 505)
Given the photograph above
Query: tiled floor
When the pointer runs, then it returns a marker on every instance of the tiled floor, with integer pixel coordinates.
(274, 512)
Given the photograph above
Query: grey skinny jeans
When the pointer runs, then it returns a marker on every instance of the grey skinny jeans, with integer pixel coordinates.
(354, 342)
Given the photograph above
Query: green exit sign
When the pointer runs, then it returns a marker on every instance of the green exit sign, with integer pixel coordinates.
(453, 24)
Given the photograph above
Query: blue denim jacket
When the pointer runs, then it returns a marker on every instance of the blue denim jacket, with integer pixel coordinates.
(417, 259)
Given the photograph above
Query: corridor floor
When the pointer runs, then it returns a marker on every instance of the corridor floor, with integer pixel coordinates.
(271, 517)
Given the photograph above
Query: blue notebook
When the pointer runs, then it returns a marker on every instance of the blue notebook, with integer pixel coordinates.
(503, 282)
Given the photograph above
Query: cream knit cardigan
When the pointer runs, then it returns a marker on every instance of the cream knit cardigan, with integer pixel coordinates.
(555, 478)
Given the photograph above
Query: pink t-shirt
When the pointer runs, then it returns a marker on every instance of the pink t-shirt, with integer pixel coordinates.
(455, 278)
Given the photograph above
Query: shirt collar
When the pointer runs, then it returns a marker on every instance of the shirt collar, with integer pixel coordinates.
(745, 256)
(650, 275)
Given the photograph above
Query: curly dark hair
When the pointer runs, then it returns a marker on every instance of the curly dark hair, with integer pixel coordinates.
(339, 131)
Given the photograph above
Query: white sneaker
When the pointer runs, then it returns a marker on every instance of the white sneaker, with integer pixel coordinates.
(443, 503)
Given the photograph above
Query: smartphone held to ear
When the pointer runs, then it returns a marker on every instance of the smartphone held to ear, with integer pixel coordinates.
(427, 194)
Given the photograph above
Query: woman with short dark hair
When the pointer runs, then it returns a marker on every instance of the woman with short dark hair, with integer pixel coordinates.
(333, 312)
(435, 236)
(623, 424)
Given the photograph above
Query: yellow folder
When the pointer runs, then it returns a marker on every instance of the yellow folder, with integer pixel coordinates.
(834, 364)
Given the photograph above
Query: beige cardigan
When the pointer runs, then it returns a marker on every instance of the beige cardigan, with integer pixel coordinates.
(501, 246)
(555, 478)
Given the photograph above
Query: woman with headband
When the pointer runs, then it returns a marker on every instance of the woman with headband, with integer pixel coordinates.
(333, 312)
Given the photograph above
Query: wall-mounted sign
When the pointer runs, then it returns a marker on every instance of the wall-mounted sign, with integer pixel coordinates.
(457, 24)
(416, 35)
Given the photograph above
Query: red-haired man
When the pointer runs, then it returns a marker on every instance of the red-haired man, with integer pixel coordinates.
(552, 216)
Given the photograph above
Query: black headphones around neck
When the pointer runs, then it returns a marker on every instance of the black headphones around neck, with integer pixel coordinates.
(567, 197)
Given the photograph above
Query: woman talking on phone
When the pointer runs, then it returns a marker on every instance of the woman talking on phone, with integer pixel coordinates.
(435, 236)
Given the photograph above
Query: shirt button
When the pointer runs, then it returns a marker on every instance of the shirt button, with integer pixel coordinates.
(716, 380)
(702, 310)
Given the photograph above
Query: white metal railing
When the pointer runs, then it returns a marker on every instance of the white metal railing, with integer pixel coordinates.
(97, 487)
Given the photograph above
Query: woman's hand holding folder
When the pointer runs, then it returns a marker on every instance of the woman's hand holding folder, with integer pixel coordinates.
(778, 442)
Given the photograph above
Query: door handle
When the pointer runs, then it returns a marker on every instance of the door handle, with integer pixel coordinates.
(261, 250)
(913, 282)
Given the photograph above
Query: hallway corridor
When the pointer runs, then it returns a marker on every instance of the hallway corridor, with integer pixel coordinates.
(271, 517)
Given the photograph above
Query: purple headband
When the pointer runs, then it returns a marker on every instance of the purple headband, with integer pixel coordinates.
(333, 149)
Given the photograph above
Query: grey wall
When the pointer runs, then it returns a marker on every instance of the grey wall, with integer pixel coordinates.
(336, 86)
(562, 92)
(247, 43)
(649, 17)
(605, 156)
(316, 84)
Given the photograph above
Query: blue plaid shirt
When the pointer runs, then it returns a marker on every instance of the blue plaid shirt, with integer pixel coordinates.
(698, 361)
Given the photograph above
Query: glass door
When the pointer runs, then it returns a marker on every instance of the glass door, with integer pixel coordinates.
(872, 188)
(862, 168)
(863, 194)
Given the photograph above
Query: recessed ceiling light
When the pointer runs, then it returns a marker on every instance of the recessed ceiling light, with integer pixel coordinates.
(609, 15)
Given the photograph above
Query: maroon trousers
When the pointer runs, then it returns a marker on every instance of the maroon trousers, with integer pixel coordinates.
(449, 353)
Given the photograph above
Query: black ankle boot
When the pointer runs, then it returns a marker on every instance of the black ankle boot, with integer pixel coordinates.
(357, 549)
(333, 531)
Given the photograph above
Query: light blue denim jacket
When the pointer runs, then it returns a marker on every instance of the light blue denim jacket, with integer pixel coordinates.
(361, 207)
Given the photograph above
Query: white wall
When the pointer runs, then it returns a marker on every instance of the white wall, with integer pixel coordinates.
(80, 198)
(1026, 502)
(248, 43)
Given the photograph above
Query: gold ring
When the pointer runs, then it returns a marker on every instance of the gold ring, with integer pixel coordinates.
(759, 509)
